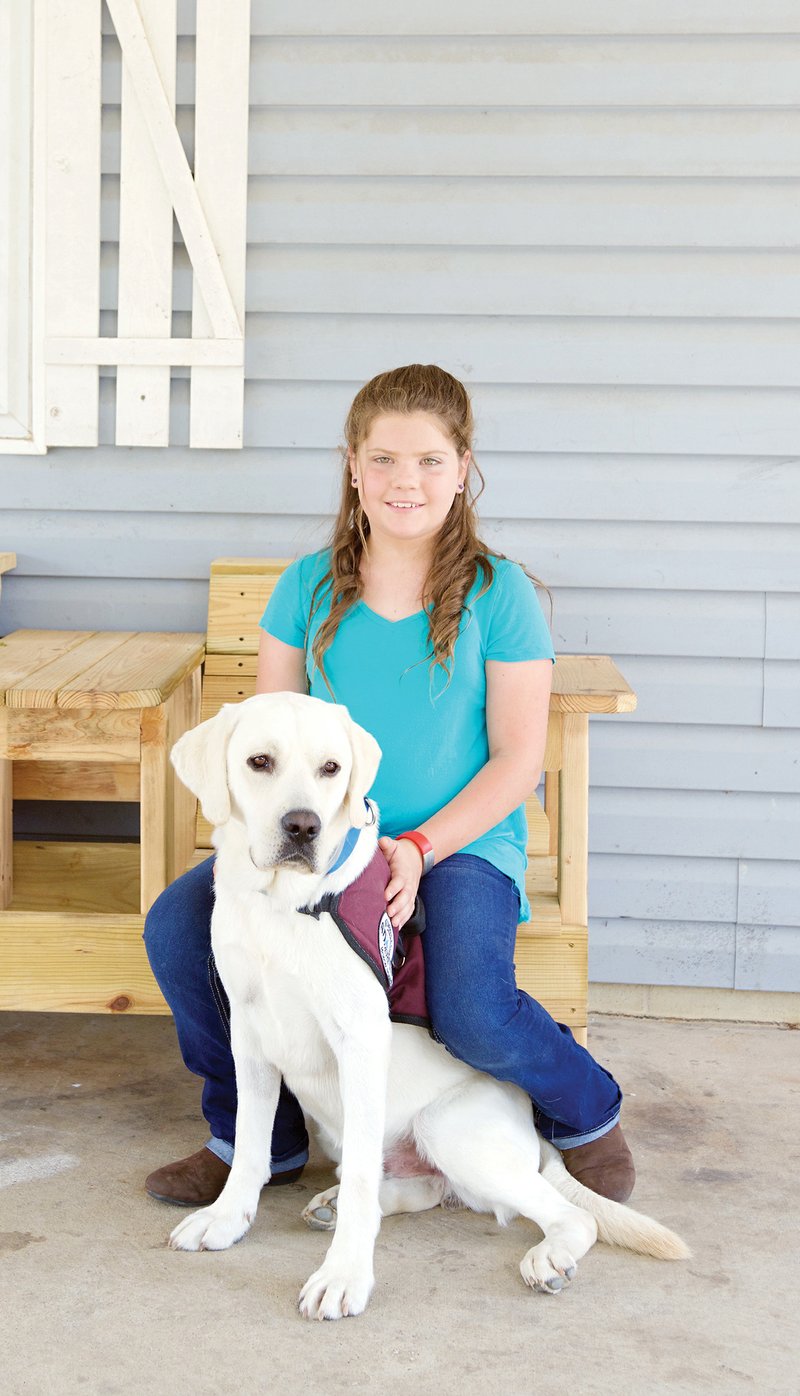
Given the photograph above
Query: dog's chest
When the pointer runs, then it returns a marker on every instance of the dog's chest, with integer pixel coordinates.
(300, 985)
(289, 1023)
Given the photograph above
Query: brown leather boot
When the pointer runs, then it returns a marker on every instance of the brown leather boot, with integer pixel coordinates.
(198, 1180)
(605, 1165)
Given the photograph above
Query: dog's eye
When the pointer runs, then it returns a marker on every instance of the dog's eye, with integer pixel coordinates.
(262, 762)
(331, 768)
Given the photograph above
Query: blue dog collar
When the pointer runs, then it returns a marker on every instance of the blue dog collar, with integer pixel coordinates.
(350, 840)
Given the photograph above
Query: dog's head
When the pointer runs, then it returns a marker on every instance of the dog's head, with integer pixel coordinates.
(294, 770)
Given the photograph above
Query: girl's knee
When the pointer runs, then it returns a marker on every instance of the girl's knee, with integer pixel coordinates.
(471, 1035)
(180, 917)
(168, 907)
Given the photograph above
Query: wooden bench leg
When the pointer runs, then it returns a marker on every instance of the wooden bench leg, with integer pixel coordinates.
(6, 836)
(573, 833)
(183, 713)
(573, 821)
(153, 756)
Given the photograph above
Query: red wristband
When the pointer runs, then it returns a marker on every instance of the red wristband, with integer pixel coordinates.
(424, 845)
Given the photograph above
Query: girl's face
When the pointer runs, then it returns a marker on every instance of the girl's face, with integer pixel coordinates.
(408, 473)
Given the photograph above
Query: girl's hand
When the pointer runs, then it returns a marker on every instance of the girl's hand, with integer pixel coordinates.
(405, 865)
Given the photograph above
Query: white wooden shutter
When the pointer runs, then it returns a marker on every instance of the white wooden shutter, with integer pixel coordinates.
(144, 305)
(21, 405)
(72, 220)
(155, 179)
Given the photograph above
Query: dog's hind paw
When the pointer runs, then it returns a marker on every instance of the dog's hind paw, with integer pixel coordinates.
(548, 1268)
(210, 1230)
(321, 1214)
(333, 1293)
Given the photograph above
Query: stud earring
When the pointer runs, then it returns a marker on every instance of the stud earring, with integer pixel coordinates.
(354, 482)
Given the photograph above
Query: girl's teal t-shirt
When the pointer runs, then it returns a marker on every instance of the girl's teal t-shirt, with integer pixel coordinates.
(432, 734)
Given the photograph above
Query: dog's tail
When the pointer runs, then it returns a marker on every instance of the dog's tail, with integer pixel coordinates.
(616, 1224)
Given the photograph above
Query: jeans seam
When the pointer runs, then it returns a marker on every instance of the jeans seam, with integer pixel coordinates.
(215, 985)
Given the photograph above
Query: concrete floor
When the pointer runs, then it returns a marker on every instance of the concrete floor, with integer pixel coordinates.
(93, 1302)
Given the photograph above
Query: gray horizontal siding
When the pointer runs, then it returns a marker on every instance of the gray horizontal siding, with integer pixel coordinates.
(590, 17)
(783, 626)
(743, 825)
(73, 602)
(767, 957)
(550, 212)
(682, 757)
(521, 281)
(660, 624)
(719, 692)
(782, 693)
(692, 952)
(508, 71)
(531, 348)
(510, 17)
(589, 213)
(769, 893)
(702, 954)
(660, 888)
(527, 141)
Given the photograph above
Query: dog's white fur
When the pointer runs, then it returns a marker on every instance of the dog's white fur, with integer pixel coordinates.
(306, 1008)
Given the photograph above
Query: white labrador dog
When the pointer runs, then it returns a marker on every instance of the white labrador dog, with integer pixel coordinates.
(284, 778)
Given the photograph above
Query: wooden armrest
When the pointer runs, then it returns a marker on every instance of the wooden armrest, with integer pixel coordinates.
(590, 683)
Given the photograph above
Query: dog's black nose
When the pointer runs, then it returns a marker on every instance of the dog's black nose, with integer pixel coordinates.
(302, 825)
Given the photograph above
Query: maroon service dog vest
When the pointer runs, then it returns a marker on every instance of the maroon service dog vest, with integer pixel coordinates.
(395, 957)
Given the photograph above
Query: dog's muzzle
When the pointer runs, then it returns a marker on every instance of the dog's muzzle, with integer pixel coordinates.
(301, 829)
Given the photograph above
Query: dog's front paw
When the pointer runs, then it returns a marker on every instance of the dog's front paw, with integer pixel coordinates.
(336, 1291)
(210, 1230)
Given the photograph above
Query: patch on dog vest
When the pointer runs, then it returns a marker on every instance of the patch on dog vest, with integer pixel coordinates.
(386, 945)
(395, 957)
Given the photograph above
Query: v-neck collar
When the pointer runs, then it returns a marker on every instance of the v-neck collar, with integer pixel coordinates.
(415, 615)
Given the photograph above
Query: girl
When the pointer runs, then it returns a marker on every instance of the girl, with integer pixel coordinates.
(440, 649)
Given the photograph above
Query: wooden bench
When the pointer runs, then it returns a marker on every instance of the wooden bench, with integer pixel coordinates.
(87, 715)
(552, 949)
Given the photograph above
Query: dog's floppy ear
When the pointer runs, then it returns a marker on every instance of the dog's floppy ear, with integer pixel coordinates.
(366, 760)
(200, 758)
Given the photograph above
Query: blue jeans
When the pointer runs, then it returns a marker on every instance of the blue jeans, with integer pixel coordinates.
(480, 1015)
(476, 1009)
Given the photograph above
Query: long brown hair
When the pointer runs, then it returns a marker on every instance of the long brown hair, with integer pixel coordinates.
(459, 552)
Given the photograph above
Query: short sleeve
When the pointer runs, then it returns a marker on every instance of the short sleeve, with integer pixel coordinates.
(286, 614)
(517, 627)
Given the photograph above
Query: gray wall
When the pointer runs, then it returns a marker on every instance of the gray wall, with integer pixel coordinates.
(590, 213)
